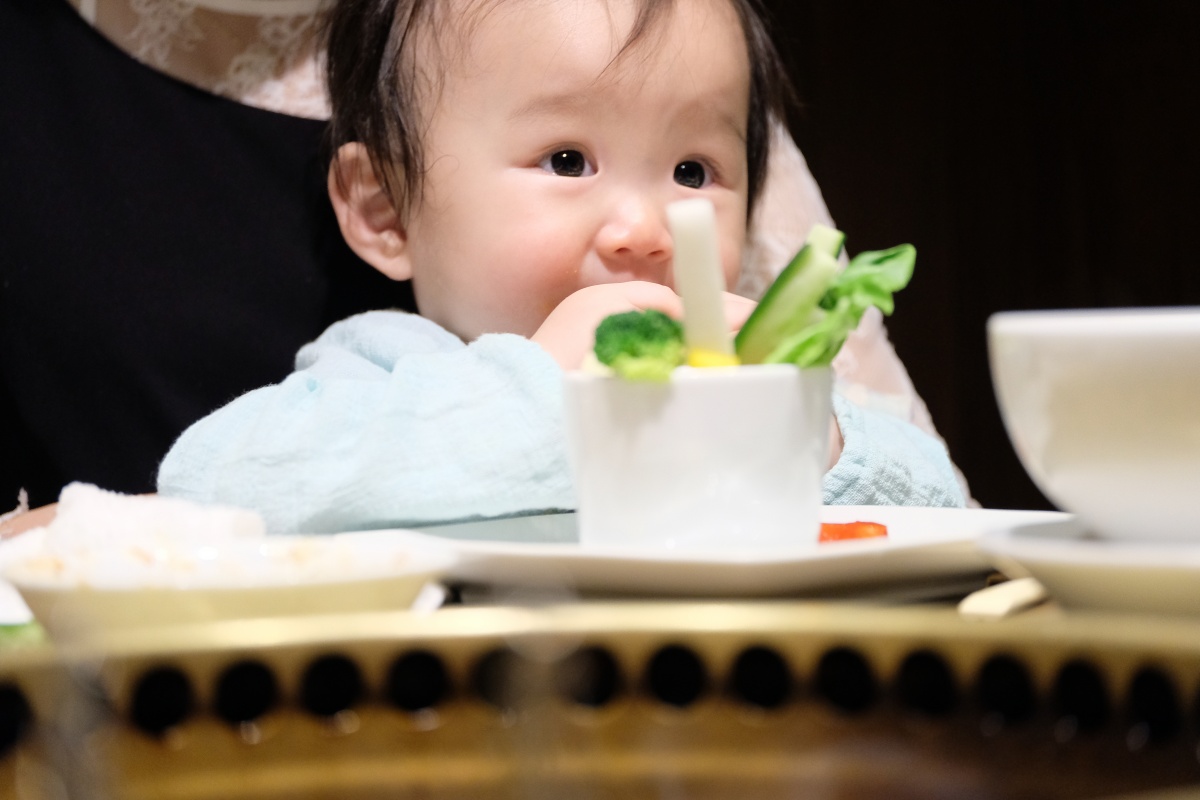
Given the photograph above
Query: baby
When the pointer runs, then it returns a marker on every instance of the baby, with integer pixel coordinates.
(513, 159)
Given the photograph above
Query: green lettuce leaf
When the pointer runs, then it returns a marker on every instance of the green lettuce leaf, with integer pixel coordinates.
(870, 279)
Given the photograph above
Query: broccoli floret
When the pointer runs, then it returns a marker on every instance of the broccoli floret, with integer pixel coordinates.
(640, 345)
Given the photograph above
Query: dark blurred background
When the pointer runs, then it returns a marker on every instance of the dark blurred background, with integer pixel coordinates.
(1038, 153)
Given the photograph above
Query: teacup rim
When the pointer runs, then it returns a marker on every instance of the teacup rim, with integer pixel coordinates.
(1125, 321)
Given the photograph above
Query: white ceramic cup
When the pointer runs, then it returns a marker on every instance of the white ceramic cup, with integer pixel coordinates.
(716, 459)
(1103, 410)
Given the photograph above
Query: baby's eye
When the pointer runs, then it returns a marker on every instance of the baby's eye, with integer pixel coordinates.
(691, 174)
(567, 164)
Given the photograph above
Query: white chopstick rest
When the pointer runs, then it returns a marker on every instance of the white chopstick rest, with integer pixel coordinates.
(699, 279)
(1003, 599)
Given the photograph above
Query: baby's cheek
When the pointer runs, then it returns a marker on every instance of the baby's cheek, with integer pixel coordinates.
(538, 274)
(551, 260)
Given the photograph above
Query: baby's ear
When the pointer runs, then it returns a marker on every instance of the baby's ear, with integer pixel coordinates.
(365, 213)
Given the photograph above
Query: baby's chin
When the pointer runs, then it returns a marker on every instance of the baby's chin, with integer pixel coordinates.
(469, 333)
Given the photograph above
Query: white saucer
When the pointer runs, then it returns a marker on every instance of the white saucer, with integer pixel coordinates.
(1083, 572)
(928, 552)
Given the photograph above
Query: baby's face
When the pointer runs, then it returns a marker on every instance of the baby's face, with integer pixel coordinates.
(550, 170)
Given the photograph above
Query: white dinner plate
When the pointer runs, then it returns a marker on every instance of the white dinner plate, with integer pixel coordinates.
(1082, 571)
(927, 552)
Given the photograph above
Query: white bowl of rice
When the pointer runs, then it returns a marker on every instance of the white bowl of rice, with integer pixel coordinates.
(111, 561)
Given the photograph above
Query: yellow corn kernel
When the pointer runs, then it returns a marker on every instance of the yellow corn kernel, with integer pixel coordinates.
(703, 357)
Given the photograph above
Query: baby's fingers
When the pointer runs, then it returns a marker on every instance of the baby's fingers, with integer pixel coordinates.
(737, 310)
(643, 296)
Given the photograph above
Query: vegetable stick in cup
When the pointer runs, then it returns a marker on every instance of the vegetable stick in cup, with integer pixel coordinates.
(700, 281)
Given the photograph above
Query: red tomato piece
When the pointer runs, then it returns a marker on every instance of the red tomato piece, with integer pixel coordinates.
(839, 531)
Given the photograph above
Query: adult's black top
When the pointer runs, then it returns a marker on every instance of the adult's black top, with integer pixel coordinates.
(162, 250)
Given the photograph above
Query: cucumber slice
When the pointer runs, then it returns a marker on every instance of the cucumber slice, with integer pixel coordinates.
(825, 238)
(790, 302)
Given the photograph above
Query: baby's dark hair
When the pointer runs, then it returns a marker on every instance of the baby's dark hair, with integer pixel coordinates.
(371, 78)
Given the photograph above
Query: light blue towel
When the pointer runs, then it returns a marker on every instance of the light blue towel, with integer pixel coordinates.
(391, 421)
(887, 461)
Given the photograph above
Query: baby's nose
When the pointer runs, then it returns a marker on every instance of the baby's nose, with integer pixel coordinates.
(635, 239)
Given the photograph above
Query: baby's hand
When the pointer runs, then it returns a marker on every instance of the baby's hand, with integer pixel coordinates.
(568, 334)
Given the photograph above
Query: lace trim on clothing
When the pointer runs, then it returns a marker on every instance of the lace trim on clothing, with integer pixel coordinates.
(254, 76)
(259, 52)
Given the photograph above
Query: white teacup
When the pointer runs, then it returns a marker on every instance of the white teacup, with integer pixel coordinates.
(1103, 410)
(716, 459)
